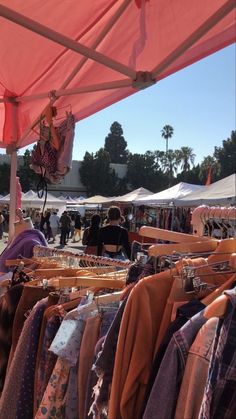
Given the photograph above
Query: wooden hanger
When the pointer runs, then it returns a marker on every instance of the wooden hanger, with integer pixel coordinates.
(223, 251)
(197, 247)
(172, 236)
(49, 273)
(227, 285)
(89, 281)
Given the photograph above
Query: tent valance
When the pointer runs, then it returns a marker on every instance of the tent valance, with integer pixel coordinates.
(222, 192)
(169, 195)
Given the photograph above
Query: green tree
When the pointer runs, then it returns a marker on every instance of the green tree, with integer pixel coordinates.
(4, 178)
(185, 157)
(226, 156)
(96, 174)
(115, 144)
(192, 176)
(28, 178)
(87, 172)
(170, 165)
(143, 170)
(207, 163)
(167, 132)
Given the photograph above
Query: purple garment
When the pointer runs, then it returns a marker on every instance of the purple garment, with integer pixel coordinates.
(22, 246)
(47, 360)
(25, 401)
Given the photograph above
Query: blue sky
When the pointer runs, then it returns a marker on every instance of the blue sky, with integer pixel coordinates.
(199, 102)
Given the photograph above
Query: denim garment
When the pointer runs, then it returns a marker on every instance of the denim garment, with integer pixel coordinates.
(219, 400)
(196, 372)
(183, 314)
(165, 391)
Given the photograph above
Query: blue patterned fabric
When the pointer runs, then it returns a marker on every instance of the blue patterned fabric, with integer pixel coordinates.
(219, 401)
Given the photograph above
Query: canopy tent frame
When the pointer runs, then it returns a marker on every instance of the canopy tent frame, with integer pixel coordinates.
(137, 79)
(91, 53)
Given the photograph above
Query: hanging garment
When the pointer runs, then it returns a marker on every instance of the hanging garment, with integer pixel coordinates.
(13, 382)
(22, 246)
(184, 313)
(136, 344)
(8, 306)
(30, 296)
(46, 360)
(165, 390)
(107, 321)
(25, 401)
(50, 162)
(196, 371)
(86, 356)
(219, 401)
(104, 365)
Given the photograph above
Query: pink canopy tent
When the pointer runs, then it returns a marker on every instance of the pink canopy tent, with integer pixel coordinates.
(90, 54)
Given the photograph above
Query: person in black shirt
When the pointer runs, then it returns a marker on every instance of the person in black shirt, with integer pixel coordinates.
(90, 236)
(113, 240)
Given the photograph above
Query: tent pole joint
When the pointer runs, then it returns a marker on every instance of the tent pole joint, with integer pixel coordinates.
(143, 80)
(11, 148)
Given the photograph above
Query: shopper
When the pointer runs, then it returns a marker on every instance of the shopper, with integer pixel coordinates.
(65, 221)
(77, 230)
(54, 224)
(90, 236)
(113, 241)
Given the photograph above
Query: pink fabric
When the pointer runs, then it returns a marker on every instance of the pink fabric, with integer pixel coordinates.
(18, 194)
(146, 33)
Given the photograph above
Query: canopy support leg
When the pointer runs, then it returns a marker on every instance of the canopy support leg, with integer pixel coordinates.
(12, 150)
(12, 206)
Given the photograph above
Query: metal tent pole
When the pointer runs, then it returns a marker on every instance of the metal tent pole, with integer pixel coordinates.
(12, 206)
(12, 150)
(195, 36)
(65, 41)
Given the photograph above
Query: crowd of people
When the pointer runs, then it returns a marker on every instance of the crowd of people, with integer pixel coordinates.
(51, 224)
(101, 236)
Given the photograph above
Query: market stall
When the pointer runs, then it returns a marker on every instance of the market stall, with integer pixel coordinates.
(49, 55)
(222, 192)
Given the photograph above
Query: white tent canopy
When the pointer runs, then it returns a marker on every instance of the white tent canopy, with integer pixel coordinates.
(31, 199)
(97, 199)
(222, 192)
(132, 196)
(169, 195)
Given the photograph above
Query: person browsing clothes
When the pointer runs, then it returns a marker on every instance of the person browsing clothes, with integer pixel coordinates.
(113, 240)
(90, 236)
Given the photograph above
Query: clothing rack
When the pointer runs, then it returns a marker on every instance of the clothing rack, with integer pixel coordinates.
(77, 260)
(202, 214)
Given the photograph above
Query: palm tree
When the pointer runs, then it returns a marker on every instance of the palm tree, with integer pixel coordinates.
(185, 158)
(170, 164)
(167, 132)
(209, 161)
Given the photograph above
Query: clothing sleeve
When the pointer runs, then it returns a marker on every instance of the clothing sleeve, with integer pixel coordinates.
(126, 244)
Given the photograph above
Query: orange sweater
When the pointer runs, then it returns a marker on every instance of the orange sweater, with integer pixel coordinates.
(136, 344)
